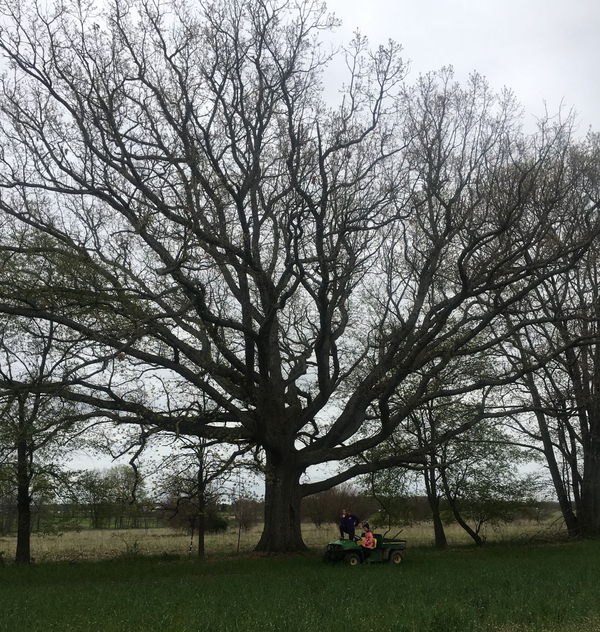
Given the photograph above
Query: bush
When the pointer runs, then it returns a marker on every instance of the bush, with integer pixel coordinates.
(215, 522)
(183, 516)
(248, 512)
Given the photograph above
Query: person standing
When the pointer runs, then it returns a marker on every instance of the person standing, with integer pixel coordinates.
(348, 523)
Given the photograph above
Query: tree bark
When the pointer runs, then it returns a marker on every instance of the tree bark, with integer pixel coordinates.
(566, 507)
(23, 554)
(438, 525)
(282, 531)
(434, 502)
(201, 509)
(456, 513)
(201, 530)
(568, 504)
(476, 537)
(588, 512)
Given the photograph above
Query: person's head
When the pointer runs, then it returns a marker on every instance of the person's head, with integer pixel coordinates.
(366, 526)
(344, 512)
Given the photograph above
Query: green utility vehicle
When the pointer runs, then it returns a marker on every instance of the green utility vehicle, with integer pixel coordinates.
(385, 550)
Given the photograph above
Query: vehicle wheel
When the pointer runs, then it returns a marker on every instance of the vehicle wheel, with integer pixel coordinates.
(396, 558)
(352, 559)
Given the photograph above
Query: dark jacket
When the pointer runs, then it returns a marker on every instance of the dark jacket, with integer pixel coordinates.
(348, 522)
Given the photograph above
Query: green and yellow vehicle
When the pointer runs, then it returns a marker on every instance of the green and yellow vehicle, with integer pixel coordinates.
(384, 551)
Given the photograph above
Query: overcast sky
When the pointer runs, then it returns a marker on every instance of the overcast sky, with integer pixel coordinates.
(541, 49)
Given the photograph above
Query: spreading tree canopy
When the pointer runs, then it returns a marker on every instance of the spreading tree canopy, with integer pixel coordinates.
(250, 262)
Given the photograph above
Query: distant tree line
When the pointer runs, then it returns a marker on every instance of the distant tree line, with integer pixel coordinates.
(111, 499)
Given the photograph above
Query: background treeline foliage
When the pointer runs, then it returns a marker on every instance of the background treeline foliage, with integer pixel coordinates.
(107, 499)
(104, 499)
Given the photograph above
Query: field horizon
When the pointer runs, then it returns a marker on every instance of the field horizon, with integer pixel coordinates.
(99, 544)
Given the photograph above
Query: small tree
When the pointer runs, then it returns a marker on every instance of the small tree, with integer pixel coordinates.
(37, 426)
(92, 491)
(193, 481)
(473, 473)
(396, 492)
(126, 495)
(247, 512)
(482, 483)
(113, 497)
(494, 502)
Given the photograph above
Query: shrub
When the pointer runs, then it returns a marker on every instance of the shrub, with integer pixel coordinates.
(215, 522)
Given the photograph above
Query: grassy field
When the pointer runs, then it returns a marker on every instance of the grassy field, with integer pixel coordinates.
(111, 543)
(143, 581)
(504, 588)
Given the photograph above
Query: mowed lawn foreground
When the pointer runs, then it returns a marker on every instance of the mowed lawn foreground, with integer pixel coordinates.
(502, 587)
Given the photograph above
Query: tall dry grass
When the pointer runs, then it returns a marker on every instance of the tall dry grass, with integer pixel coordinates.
(111, 543)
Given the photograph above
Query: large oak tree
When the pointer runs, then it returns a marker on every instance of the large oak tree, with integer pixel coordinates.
(249, 262)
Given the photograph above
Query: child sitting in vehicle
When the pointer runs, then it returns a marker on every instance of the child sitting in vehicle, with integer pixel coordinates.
(367, 542)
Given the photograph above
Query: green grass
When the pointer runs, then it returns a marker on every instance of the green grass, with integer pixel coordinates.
(504, 588)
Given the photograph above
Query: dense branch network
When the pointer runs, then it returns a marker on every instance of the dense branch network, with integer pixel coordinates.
(247, 262)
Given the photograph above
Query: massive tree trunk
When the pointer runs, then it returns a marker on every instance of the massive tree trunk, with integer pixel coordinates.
(588, 513)
(23, 555)
(282, 531)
